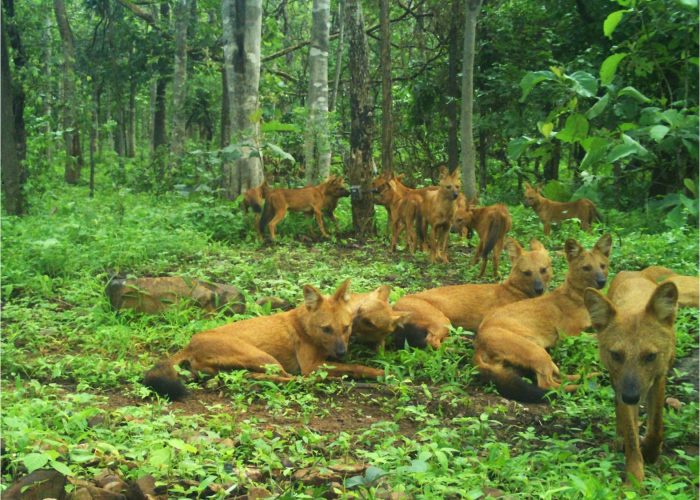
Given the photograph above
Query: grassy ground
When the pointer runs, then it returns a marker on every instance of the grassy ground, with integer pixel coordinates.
(71, 367)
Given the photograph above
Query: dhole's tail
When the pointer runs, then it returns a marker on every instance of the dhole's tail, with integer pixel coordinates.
(255, 206)
(415, 335)
(495, 230)
(164, 380)
(268, 211)
(595, 214)
(510, 384)
(112, 290)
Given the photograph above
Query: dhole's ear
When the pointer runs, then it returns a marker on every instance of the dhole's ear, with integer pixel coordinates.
(383, 292)
(604, 244)
(572, 249)
(528, 186)
(342, 294)
(312, 298)
(442, 170)
(663, 303)
(514, 250)
(535, 245)
(601, 310)
(400, 318)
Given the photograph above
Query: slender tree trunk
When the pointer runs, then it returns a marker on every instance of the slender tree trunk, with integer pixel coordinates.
(387, 99)
(338, 55)
(317, 144)
(160, 134)
(94, 124)
(12, 196)
(453, 87)
(361, 123)
(20, 61)
(468, 154)
(242, 25)
(71, 131)
(131, 121)
(483, 169)
(225, 111)
(177, 140)
(47, 68)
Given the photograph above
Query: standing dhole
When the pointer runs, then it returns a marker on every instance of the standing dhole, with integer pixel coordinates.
(637, 343)
(555, 211)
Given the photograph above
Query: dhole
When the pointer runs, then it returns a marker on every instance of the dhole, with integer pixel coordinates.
(491, 224)
(373, 318)
(513, 339)
(688, 286)
(296, 341)
(254, 198)
(554, 211)
(637, 343)
(309, 199)
(438, 210)
(401, 208)
(433, 311)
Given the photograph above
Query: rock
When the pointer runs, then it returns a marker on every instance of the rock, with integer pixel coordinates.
(40, 484)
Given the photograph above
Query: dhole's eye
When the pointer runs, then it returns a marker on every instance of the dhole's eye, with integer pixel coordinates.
(650, 357)
(603, 266)
(328, 330)
(617, 356)
(527, 273)
(367, 322)
(346, 328)
(587, 268)
(543, 270)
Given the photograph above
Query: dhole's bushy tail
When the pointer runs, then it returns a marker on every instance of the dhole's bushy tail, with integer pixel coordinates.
(595, 215)
(495, 229)
(268, 211)
(511, 385)
(415, 335)
(164, 380)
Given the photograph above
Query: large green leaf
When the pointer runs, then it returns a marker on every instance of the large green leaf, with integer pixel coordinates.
(598, 107)
(634, 93)
(517, 147)
(584, 84)
(279, 151)
(531, 79)
(628, 147)
(612, 21)
(609, 67)
(658, 132)
(34, 461)
(575, 129)
(545, 128)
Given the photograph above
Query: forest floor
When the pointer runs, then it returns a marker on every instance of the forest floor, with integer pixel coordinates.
(73, 402)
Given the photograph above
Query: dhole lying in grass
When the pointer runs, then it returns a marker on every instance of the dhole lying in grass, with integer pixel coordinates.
(433, 311)
(296, 341)
(513, 340)
(373, 318)
(491, 224)
(309, 199)
(554, 211)
(688, 286)
(154, 295)
(637, 343)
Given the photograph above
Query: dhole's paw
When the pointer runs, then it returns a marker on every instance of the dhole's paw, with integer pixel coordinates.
(651, 449)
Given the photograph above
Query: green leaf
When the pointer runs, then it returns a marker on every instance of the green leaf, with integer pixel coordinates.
(279, 151)
(61, 467)
(517, 147)
(585, 84)
(609, 67)
(693, 4)
(690, 186)
(372, 474)
(160, 457)
(627, 148)
(34, 461)
(354, 482)
(545, 128)
(598, 107)
(575, 130)
(278, 126)
(658, 132)
(612, 21)
(634, 93)
(531, 79)
(179, 444)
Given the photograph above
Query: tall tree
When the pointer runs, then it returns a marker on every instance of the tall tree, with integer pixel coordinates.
(361, 122)
(385, 63)
(452, 89)
(160, 136)
(71, 130)
(181, 14)
(317, 144)
(471, 12)
(12, 197)
(338, 56)
(242, 25)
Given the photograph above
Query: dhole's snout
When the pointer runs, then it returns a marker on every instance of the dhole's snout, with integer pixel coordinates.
(630, 390)
(538, 287)
(600, 280)
(341, 349)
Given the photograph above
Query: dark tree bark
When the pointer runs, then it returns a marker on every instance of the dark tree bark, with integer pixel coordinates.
(225, 115)
(20, 61)
(160, 133)
(12, 196)
(338, 55)
(452, 90)
(71, 130)
(483, 149)
(471, 12)
(361, 123)
(387, 98)
(177, 143)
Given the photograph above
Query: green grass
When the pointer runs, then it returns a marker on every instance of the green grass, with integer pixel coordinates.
(71, 367)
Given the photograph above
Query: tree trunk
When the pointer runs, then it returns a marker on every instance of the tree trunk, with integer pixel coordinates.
(12, 196)
(361, 123)
(131, 121)
(483, 170)
(242, 25)
(20, 61)
(317, 145)
(47, 68)
(468, 154)
(338, 55)
(225, 111)
(453, 88)
(177, 141)
(160, 134)
(387, 100)
(71, 131)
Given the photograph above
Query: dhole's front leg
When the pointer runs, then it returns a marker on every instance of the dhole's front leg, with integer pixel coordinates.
(319, 220)
(627, 421)
(353, 371)
(651, 444)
